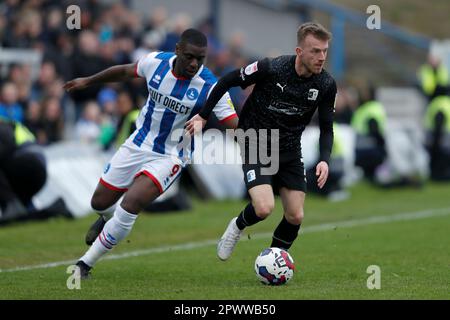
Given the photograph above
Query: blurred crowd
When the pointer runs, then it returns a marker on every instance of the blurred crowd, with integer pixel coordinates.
(389, 157)
(109, 35)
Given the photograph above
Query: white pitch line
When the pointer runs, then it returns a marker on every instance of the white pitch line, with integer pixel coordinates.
(314, 228)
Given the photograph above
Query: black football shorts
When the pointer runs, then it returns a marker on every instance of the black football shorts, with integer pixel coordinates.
(290, 173)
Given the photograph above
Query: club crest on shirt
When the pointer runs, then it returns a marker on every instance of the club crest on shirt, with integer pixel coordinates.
(192, 94)
(312, 94)
(251, 175)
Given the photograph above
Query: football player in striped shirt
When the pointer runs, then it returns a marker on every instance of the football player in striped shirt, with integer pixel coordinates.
(153, 156)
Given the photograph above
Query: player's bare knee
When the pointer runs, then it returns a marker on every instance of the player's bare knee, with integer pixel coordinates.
(295, 217)
(263, 208)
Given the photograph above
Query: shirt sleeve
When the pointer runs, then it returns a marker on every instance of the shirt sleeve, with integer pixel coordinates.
(326, 115)
(243, 77)
(253, 73)
(224, 109)
(144, 65)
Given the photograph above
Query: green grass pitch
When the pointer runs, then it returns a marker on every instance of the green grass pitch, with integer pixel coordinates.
(406, 232)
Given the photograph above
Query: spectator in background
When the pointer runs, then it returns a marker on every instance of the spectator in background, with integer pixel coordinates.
(214, 44)
(52, 121)
(345, 106)
(32, 18)
(179, 23)
(19, 75)
(47, 76)
(154, 34)
(23, 173)
(87, 128)
(333, 189)
(15, 34)
(22, 168)
(33, 121)
(369, 121)
(437, 125)
(9, 106)
(110, 34)
(87, 61)
(107, 99)
(62, 54)
(53, 27)
(128, 114)
(45, 120)
(433, 78)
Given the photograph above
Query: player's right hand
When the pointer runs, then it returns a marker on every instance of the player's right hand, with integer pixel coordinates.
(321, 173)
(76, 84)
(195, 125)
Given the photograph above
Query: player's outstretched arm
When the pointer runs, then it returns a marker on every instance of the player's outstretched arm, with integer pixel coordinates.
(113, 74)
(243, 77)
(197, 123)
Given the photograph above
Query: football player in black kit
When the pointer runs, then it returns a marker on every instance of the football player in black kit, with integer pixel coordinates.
(287, 92)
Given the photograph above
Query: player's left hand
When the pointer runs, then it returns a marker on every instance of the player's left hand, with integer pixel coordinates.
(195, 125)
(321, 173)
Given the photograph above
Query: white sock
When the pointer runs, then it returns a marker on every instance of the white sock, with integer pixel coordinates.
(107, 213)
(117, 228)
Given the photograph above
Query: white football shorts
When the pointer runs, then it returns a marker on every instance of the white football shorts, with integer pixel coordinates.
(130, 161)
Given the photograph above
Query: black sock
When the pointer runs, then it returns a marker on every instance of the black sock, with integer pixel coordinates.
(285, 234)
(247, 217)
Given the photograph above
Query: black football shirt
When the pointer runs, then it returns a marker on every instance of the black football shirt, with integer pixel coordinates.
(283, 100)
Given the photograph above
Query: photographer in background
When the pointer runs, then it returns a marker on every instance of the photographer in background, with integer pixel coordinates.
(22, 174)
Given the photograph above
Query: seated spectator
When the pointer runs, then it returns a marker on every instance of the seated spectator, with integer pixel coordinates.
(9, 106)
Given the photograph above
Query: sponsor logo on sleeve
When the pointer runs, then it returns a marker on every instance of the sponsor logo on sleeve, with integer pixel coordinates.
(251, 68)
(230, 103)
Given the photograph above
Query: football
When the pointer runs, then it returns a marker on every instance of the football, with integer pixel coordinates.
(274, 266)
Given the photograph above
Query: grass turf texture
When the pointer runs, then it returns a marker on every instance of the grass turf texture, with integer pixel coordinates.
(413, 254)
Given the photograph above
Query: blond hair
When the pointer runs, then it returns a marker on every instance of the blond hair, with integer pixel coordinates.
(315, 29)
